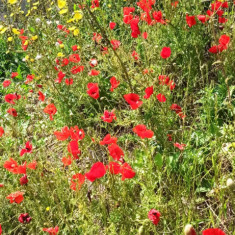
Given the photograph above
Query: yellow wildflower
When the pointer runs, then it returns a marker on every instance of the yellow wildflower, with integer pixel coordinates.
(61, 3)
(63, 11)
(15, 31)
(10, 39)
(12, 1)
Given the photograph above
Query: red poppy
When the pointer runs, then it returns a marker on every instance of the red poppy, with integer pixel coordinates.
(12, 112)
(32, 165)
(94, 72)
(166, 52)
(97, 171)
(14, 74)
(224, 41)
(21, 169)
(28, 149)
(213, 231)
(169, 137)
(133, 100)
(143, 132)
(74, 47)
(73, 148)
(175, 4)
(157, 15)
(214, 49)
(65, 62)
(29, 78)
(222, 20)
(76, 133)
(51, 231)
(67, 161)
(135, 55)
(97, 37)
(9, 98)
(128, 10)
(209, 12)
(108, 140)
(154, 216)
(0, 229)
(24, 180)
(63, 135)
(114, 83)
(24, 218)
(77, 69)
(68, 81)
(220, 12)
(95, 3)
(135, 31)
(144, 35)
(116, 152)
(161, 98)
(115, 43)
(93, 90)
(51, 110)
(112, 25)
(127, 172)
(180, 146)
(202, 18)
(190, 20)
(109, 116)
(77, 181)
(60, 77)
(6, 83)
(1, 131)
(93, 62)
(225, 4)
(114, 168)
(41, 96)
(75, 58)
(148, 92)
(11, 165)
(16, 197)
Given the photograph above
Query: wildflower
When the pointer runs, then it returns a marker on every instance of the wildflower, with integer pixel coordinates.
(135, 55)
(127, 172)
(77, 181)
(29, 78)
(77, 69)
(67, 161)
(12, 112)
(73, 148)
(93, 62)
(213, 231)
(64, 134)
(114, 83)
(148, 92)
(68, 81)
(190, 20)
(97, 171)
(14, 74)
(11, 165)
(166, 52)
(161, 98)
(74, 47)
(9, 98)
(6, 83)
(109, 116)
(51, 231)
(51, 110)
(94, 72)
(1, 131)
(114, 168)
(112, 25)
(134, 27)
(0, 229)
(24, 218)
(108, 140)
(202, 18)
(41, 96)
(76, 133)
(75, 58)
(189, 230)
(115, 43)
(180, 146)
(143, 132)
(144, 35)
(12, 1)
(16, 197)
(116, 152)
(93, 90)
(154, 216)
(133, 100)
(28, 149)
(95, 3)
(32, 165)
(24, 180)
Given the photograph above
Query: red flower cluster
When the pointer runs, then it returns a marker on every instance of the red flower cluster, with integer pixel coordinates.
(223, 45)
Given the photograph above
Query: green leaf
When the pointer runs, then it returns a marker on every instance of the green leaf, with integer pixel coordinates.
(158, 160)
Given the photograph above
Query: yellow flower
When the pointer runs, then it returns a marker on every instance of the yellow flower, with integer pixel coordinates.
(63, 11)
(32, 60)
(15, 31)
(70, 20)
(76, 32)
(10, 39)
(60, 54)
(71, 28)
(12, 1)
(34, 37)
(48, 208)
(61, 3)
(78, 15)
(109, 5)
(61, 45)
(26, 57)
(26, 43)
(3, 30)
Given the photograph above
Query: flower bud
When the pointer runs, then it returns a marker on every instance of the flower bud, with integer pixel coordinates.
(189, 230)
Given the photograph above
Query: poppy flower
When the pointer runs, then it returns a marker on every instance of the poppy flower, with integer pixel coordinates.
(224, 41)
(51, 110)
(9, 98)
(108, 116)
(1, 131)
(97, 171)
(77, 181)
(224, 4)
(75, 58)
(76, 133)
(114, 83)
(144, 35)
(222, 20)
(21, 169)
(28, 149)
(94, 72)
(63, 135)
(220, 12)
(213, 231)
(6, 83)
(161, 98)
(29, 78)
(67, 161)
(16, 197)
(60, 77)
(127, 172)
(180, 146)
(154, 216)
(148, 92)
(96, 37)
(128, 10)
(127, 19)
(0, 229)
(108, 140)
(175, 4)
(166, 52)
(171, 85)
(214, 49)
(24, 180)
(116, 152)
(51, 231)
(157, 15)
(74, 47)
(143, 132)
(12, 112)
(133, 100)
(202, 18)
(135, 55)
(93, 90)
(14, 74)
(24, 218)
(93, 62)
(77, 69)
(114, 168)
(115, 43)
(135, 31)
(68, 81)
(74, 149)
(190, 20)
(32, 165)
(41, 96)
(112, 25)
(11, 165)
(169, 137)
(209, 13)
(95, 3)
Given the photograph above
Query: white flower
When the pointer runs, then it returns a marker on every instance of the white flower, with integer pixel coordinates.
(38, 57)
(49, 22)
(37, 20)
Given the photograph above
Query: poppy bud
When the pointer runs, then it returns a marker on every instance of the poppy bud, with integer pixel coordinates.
(23, 180)
(230, 183)
(24, 218)
(189, 230)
